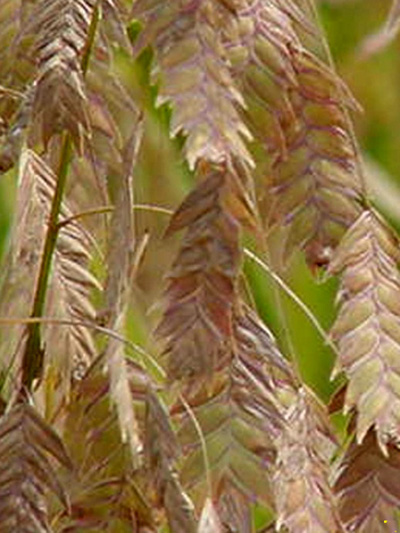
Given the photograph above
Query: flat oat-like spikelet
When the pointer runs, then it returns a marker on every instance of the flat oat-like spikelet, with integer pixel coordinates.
(368, 487)
(69, 299)
(61, 27)
(108, 493)
(195, 76)
(161, 448)
(304, 498)
(26, 473)
(196, 80)
(197, 323)
(368, 326)
(68, 348)
(35, 186)
(239, 416)
(295, 106)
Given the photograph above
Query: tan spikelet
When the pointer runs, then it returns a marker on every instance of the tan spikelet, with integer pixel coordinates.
(239, 412)
(61, 29)
(195, 77)
(26, 442)
(368, 325)
(296, 108)
(368, 487)
(304, 499)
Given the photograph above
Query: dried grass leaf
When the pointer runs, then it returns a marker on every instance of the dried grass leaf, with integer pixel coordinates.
(304, 498)
(384, 36)
(116, 294)
(121, 241)
(367, 328)
(209, 519)
(368, 487)
(121, 395)
(26, 473)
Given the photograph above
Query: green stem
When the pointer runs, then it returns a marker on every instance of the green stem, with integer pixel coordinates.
(33, 355)
(90, 38)
(32, 361)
